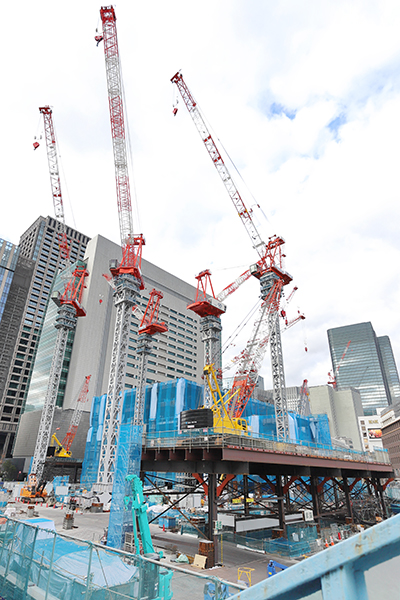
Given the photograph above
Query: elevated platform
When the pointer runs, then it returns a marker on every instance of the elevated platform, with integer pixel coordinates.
(229, 453)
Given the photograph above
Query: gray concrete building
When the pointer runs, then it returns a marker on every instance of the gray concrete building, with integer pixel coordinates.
(343, 408)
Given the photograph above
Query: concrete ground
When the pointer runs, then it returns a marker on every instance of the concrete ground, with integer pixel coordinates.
(90, 526)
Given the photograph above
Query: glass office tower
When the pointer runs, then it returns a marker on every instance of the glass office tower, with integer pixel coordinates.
(368, 365)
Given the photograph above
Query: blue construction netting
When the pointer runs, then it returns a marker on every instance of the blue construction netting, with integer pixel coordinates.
(93, 442)
(165, 400)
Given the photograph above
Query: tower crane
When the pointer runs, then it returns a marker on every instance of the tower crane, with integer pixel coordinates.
(210, 307)
(68, 302)
(269, 269)
(149, 326)
(334, 373)
(55, 183)
(81, 400)
(127, 277)
(304, 400)
(70, 308)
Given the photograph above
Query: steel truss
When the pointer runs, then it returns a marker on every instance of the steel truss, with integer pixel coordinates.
(126, 291)
(211, 328)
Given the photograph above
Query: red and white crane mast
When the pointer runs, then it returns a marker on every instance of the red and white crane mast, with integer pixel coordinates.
(69, 303)
(269, 270)
(55, 182)
(127, 277)
(70, 308)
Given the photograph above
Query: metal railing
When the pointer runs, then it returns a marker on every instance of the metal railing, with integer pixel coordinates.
(352, 570)
(224, 437)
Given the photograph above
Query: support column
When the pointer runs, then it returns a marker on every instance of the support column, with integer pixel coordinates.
(281, 505)
(379, 493)
(212, 512)
(315, 499)
(246, 495)
(347, 497)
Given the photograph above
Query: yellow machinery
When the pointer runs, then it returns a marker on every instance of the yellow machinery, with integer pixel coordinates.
(60, 451)
(33, 491)
(222, 421)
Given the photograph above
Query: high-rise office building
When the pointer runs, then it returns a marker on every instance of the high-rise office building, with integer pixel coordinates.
(390, 368)
(38, 250)
(15, 278)
(176, 353)
(368, 365)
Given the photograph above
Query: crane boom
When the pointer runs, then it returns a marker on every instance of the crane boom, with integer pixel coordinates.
(131, 244)
(76, 416)
(55, 182)
(241, 209)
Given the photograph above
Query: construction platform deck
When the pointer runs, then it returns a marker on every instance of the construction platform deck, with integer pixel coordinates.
(235, 454)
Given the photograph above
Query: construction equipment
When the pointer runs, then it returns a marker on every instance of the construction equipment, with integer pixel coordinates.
(68, 302)
(55, 183)
(269, 270)
(127, 277)
(70, 308)
(222, 421)
(334, 373)
(139, 516)
(34, 490)
(149, 326)
(76, 416)
(304, 400)
(63, 448)
(154, 581)
(60, 451)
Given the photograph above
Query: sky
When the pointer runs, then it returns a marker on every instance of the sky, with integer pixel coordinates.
(304, 97)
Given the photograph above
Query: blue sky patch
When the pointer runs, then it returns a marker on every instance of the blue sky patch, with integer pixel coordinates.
(337, 122)
(279, 109)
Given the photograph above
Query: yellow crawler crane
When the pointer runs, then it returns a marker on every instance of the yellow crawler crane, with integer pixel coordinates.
(222, 421)
(60, 451)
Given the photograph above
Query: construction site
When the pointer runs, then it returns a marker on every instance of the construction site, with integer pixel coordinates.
(192, 485)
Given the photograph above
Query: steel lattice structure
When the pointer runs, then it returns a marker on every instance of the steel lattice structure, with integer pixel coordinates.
(55, 182)
(149, 326)
(77, 414)
(125, 295)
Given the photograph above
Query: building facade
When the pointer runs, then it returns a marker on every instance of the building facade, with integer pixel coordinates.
(371, 432)
(38, 252)
(15, 278)
(368, 365)
(343, 407)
